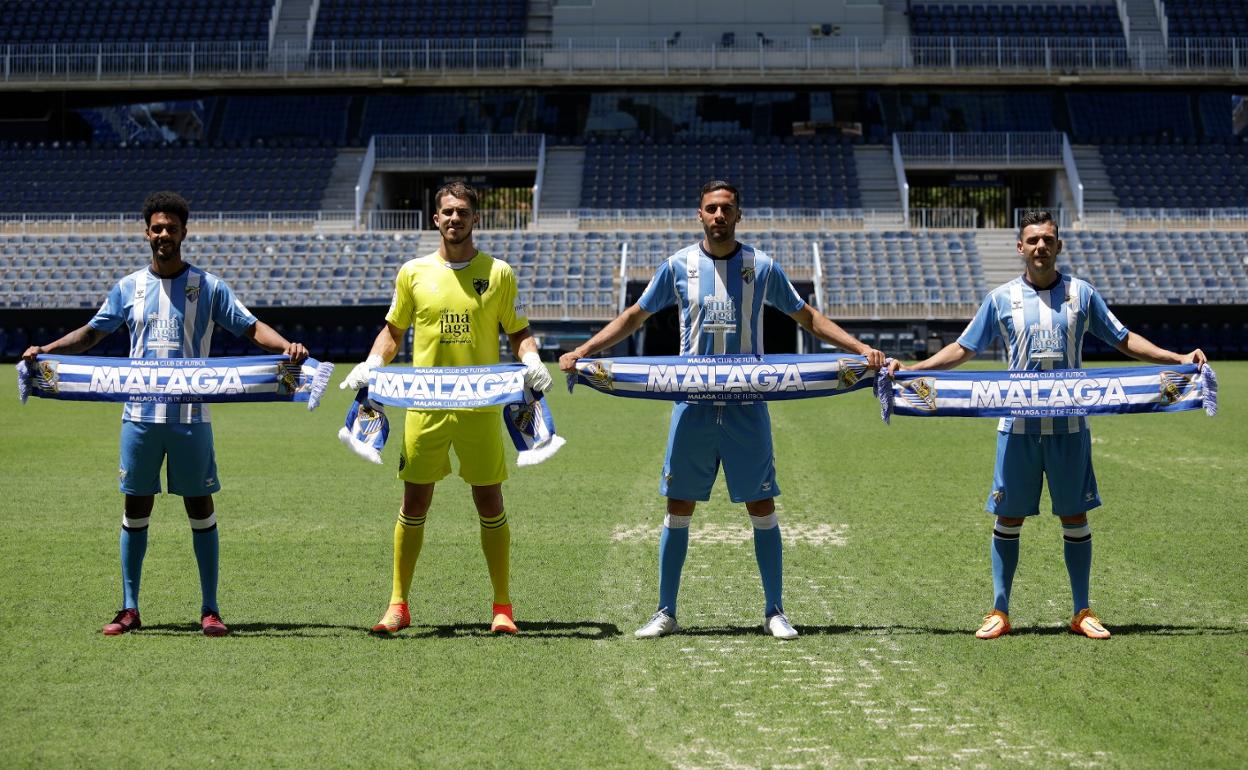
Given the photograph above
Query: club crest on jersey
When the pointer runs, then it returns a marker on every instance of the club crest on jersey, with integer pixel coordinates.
(850, 373)
(1174, 385)
(49, 375)
(747, 274)
(480, 284)
(192, 293)
(920, 393)
(599, 373)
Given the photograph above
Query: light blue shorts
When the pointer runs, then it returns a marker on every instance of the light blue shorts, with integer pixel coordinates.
(1065, 459)
(192, 468)
(704, 435)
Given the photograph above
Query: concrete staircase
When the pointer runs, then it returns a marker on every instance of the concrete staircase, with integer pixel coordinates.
(340, 190)
(1098, 192)
(877, 181)
(291, 36)
(561, 181)
(1142, 20)
(539, 25)
(998, 250)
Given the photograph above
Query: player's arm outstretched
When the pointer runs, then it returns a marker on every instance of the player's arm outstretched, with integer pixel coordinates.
(385, 347)
(268, 338)
(79, 340)
(831, 332)
(950, 356)
(620, 328)
(1139, 348)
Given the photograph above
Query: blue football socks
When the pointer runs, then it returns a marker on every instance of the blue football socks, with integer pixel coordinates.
(769, 551)
(207, 554)
(133, 549)
(1004, 564)
(673, 545)
(1077, 549)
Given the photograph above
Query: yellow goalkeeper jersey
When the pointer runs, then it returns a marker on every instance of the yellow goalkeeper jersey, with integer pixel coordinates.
(456, 313)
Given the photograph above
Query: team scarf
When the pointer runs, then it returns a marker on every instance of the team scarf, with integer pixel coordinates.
(1048, 393)
(525, 413)
(724, 379)
(174, 380)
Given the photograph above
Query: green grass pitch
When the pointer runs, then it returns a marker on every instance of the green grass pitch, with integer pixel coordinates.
(886, 571)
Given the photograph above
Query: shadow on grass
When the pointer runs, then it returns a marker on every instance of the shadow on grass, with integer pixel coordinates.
(835, 630)
(587, 629)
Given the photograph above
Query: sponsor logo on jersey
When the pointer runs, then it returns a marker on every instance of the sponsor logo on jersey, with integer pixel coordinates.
(920, 393)
(455, 328)
(1046, 344)
(599, 373)
(747, 274)
(480, 284)
(718, 314)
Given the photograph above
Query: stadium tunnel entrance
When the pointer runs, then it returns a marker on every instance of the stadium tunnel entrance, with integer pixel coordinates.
(404, 199)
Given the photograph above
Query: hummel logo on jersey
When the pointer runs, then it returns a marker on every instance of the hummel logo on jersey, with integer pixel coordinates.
(1016, 304)
(480, 284)
(140, 292)
(1089, 497)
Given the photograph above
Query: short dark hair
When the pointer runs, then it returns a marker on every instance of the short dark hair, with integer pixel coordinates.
(166, 202)
(719, 184)
(1036, 217)
(457, 189)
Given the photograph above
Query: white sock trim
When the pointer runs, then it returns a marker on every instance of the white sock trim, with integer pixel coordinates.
(770, 521)
(676, 521)
(1077, 533)
(201, 524)
(130, 523)
(1007, 530)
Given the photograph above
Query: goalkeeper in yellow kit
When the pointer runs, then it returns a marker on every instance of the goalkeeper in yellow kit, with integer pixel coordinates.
(455, 300)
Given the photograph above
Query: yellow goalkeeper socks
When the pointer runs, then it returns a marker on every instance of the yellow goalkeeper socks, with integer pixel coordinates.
(409, 535)
(496, 545)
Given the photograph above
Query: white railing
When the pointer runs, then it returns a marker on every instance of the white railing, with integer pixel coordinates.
(943, 218)
(1007, 148)
(124, 223)
(459, 150)
(1165, 219)
(396, 219)
(684, 218)
(501, 60)
(1160, 9)
(1072, 175)
(903, 186)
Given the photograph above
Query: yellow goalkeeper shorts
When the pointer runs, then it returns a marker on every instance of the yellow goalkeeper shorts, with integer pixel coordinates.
(429, 435)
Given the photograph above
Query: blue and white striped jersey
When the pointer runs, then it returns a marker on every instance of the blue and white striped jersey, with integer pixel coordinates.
(171, 318)
(1042, 329)
(720, 300)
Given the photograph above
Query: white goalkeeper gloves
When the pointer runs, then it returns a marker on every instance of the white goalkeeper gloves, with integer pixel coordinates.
(536, 376)
(358, 378)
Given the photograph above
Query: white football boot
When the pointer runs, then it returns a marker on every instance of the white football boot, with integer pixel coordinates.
(660, 624)
(779, 626)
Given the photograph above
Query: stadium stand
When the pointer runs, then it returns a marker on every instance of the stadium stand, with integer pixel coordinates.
(71, 21)
(1207, 18)
(815, 172)
(883, 268)
(1176, 175)
(79, 178)
(1011, 19)
(294, 116)
(1164, 268)
(1097, 115)
(440, 113)
(388, 19)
